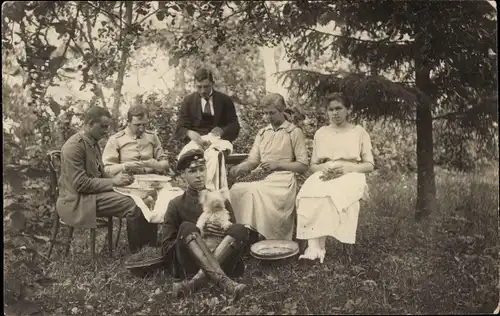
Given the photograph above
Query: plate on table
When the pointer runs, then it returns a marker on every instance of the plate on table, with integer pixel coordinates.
(136, 190)
(274, 249)
(151, 181)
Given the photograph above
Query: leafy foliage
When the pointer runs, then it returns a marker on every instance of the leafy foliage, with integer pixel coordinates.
(403, 60)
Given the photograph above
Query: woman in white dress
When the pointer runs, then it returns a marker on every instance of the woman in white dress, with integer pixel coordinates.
(328, 202)
(267, 206)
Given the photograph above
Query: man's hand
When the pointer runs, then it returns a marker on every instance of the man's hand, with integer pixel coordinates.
(214, 229)
(158, 166)
(134, 167)
(123, 180)
(217, 131)
(195, 137)
(269, 165)
(151, 163)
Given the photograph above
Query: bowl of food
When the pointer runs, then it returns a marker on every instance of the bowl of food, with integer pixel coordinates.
(274, 249)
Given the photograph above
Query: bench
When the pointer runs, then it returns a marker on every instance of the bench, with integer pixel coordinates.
(234, 159)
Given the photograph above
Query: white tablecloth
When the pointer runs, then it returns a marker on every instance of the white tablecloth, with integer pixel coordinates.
(165, 195)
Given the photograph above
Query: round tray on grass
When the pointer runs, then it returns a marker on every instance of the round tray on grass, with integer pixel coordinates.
(274, 249)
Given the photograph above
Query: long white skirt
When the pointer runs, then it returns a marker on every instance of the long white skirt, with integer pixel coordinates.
(330, 208)
(267, 206)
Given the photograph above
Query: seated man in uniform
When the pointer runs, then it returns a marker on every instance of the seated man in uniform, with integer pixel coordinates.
(85, 193)
(135, 150)
(183, 248)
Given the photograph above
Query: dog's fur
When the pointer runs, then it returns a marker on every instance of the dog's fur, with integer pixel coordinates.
(214, 210)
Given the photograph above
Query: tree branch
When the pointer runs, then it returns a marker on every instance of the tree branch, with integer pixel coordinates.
(381, 41)
(120, 39)
(147, 16)
(269, 15)
(257, 30)
(448, 115)
(89, 39)
(97, 86)
(111, 15)
(72, 32)
(230, 7)
(78, 47)
(125, 49)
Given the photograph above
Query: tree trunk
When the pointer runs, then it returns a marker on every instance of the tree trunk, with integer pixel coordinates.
(180, 78)
(125, 50)
(271, 58)
(426, 186)
(98, 93)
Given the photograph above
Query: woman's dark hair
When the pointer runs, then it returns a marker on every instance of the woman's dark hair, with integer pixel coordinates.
(95, 113)
(137, 110)
(202, 74)
(339, 97)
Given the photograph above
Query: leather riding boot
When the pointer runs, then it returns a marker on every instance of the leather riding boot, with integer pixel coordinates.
(225, 248)
(210, 267)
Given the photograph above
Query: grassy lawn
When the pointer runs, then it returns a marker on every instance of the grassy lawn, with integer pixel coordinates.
(446, 264)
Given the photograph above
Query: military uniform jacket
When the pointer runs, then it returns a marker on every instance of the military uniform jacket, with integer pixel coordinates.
(184, 208)
(124, 147)
(81, 179)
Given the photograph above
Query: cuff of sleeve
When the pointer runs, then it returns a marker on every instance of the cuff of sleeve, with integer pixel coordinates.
(109, 184)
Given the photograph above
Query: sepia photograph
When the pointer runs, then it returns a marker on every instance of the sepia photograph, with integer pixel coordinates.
(305, 157)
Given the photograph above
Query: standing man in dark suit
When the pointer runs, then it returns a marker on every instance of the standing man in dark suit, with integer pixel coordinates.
(207, 111)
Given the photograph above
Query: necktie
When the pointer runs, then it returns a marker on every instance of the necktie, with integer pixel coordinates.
(206, 108)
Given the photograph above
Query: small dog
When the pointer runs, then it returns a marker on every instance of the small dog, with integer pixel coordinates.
(214, 210)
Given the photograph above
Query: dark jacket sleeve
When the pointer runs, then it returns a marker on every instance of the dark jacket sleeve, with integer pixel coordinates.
(229, 121)
(170, 227)
(184, 120)
(73, 162)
